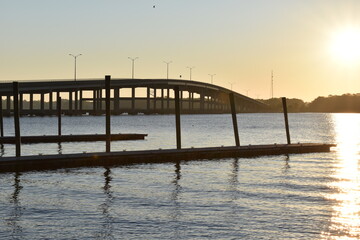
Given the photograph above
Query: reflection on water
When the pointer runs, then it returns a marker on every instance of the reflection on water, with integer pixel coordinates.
(177, 177)
(217, 199)
(59, 148)
(176, 212)
(286, 164)
(2, 150)
(16, 213)
(107, 225)
(345, 221)
(234, 181)
(234, 187)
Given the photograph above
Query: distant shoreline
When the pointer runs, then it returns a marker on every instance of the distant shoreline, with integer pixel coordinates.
(346, 103)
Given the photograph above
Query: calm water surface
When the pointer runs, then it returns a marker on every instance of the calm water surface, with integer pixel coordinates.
(309, 196)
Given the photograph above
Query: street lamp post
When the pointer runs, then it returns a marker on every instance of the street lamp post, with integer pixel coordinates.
(133, 63)
(190, 68)
(167, 69)
(212, 76)
(75, 57)
(231, 85)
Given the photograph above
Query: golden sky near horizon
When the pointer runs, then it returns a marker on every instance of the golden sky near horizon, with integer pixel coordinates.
(313, 46)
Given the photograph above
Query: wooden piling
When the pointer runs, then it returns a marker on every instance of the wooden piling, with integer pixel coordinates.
(286, 120)
(1, 118)
(234, 119)
(107, 107)
(17, 118)
(58, 107)
(117, 100)
(177, 118)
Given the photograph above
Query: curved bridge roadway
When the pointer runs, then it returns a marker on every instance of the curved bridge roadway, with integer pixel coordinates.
(147, 96)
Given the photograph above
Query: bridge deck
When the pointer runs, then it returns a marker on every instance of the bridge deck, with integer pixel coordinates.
(27, 163)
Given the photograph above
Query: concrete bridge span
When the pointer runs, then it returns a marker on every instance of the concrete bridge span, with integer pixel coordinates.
(146, 96)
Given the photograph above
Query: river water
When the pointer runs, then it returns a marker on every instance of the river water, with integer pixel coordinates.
(308, 196)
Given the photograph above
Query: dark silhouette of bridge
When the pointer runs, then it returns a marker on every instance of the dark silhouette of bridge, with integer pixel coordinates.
(88, 97)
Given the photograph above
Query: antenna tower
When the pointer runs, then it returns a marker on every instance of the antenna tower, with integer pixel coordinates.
(272, 84)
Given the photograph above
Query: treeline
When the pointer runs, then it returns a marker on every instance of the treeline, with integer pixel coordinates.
(335, 104)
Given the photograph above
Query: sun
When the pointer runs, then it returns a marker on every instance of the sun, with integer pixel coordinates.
(345, 45)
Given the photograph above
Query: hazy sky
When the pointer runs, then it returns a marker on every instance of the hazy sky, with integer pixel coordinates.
(239, 41)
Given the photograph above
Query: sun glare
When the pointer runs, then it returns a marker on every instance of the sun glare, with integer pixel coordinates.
(345, 221)
(345, 46)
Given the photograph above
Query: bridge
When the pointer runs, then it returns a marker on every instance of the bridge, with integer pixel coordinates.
(140, 96)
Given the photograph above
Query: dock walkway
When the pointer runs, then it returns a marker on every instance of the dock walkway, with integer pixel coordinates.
(58, 161)
(73, 138)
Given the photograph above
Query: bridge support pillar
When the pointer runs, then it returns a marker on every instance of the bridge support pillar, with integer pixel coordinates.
(133, 100)
(31, 102)
(212, 103)
(117, 100)
(70, 102)
(162, 100)
(76, 103)
(42, 103)
(100, 100)
(148, 100)
(94, 101)
(168, 99)
(81, 101)
(8, 104)
(50, 100)
(97, 100)
(21, 101)
(192, 101)
(202, 102)
(181, 99)
(154, 100)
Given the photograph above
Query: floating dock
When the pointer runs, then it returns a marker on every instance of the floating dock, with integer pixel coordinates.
(58, 161)
(72, 138)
